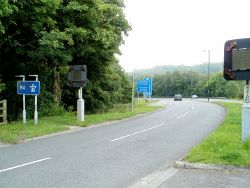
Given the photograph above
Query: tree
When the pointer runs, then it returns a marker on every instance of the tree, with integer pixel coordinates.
(45, 36)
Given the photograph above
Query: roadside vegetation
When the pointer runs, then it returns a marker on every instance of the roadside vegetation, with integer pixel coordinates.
(16, 132)
(224, 145)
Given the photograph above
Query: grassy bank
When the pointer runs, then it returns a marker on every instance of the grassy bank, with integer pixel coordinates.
(224, 145)
(16, 131)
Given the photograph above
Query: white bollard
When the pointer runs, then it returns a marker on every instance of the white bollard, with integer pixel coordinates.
(246, 114)
(80, 110)
(246, 122)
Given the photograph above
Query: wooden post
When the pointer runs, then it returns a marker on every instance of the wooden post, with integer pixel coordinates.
(3, 109)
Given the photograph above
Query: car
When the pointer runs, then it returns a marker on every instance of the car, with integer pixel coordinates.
(194, 96)
(177, 97)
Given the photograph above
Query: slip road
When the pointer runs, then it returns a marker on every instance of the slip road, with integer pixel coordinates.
(115, 155)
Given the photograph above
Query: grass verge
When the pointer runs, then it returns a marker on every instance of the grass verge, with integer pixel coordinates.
(16, 131)
(224, 145)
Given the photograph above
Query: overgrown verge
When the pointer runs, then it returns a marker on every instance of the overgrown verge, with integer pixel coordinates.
(224, 145)
(16, 132)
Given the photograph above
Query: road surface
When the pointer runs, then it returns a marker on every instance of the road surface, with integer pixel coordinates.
(120, 154)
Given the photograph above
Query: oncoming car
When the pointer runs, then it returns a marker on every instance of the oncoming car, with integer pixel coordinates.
(177, 97)
(194, 96)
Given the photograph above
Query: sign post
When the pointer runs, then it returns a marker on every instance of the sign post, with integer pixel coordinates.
(24, 110)
(77, 77)
(33, 89)
(133, 85)
(80, 106)
(246, 113)
(237, 67)
(30, 88)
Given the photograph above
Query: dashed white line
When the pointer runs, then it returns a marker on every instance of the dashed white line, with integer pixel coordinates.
(25, 164)
(139, 132)
(183, 115)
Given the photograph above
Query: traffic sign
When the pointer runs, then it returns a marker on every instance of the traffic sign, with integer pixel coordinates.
(142, 86)
(150, 80)
(237, 59)
(28, 87)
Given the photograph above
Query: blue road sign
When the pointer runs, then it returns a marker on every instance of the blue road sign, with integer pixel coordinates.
(142, 86)
(28, 87)
(150, 80)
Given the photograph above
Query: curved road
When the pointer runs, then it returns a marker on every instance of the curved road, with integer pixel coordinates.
(119, 154)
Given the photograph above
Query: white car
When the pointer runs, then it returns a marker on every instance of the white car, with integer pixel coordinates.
(194, 96)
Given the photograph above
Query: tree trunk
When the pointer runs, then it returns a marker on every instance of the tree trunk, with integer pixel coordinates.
(56, 87)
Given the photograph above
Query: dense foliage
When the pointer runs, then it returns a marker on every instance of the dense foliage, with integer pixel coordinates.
(188, 83)
(44, 36)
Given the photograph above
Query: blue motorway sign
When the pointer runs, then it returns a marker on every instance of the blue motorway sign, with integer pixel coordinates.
(150, 80)
(28, 87)
(142, 86)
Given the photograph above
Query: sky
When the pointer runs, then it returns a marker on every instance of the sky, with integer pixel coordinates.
(180, 32)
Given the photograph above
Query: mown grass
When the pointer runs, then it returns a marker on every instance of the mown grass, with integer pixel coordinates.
(16, 131)
(224, 145)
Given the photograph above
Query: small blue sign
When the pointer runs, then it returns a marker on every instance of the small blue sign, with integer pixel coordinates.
(28, 87)
(142, 86)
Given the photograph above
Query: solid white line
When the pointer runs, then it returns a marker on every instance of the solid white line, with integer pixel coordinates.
(26, 164)
(182, 115)
(137, 132)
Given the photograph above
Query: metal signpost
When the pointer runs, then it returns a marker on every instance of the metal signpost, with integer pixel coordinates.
(35, 87)
(237, 67)
(24, 110)
(29, 88)
(77, 77)
(133, 85)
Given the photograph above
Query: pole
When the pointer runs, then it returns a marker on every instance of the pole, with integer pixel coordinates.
(24, 109)
(246, 113)
(133, 85)
(35, 112)
(80, 106)
(208, 72)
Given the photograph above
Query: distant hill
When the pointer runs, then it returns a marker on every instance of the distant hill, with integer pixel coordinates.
(202, 68)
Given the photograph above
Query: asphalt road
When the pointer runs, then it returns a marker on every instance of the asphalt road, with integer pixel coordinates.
(120, 154)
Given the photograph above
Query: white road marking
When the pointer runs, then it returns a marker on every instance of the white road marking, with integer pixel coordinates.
(137, 132)
(192, 108)
(155, 179)
(26, 164)
(182, 115)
